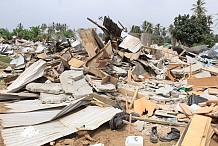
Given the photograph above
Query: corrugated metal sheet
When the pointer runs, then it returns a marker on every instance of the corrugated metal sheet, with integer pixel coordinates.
(32, 73)
(89, 118)
(26, 119)
(29, 105)
(131, 43)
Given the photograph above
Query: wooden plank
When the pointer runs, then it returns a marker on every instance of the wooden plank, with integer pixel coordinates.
(203, 110)
(134, 97)
(204, 82)
(209, 136)
(129, 75)
(185, 109)
(197, 131)
(213, 91)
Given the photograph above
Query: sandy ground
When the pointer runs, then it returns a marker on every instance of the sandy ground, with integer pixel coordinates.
(110, 137)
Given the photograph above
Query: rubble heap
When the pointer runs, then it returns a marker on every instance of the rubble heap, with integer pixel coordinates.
(64, 86)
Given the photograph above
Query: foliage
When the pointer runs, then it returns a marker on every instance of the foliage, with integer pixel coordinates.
(147, 27)
(38, 33)
(199, 9)
(136, 29)
(192, 30)
(4, 33)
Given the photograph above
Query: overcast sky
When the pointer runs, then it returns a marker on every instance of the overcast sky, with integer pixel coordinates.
(75, 12)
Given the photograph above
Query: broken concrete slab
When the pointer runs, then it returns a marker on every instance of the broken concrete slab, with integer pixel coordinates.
(33, 72)
(53, 88)
(96, 84)
(53, 98)
(78, 88)
(76, 75)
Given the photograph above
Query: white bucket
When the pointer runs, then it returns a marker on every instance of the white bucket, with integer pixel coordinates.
(134, 141)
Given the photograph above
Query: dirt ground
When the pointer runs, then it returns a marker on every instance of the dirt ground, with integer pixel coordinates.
(110, 137)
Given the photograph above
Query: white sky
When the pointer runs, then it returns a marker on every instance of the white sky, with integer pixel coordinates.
(75, 12)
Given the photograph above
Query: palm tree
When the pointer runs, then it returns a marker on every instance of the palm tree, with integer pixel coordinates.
(209, 20)
(135, 29)
(147, 27)
(198, 8)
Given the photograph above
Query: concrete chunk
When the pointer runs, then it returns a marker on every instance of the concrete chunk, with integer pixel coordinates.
(96, 84)
(53, 88)
(78, 88)
(53, 99)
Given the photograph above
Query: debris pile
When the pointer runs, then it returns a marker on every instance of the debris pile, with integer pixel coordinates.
(60, 87)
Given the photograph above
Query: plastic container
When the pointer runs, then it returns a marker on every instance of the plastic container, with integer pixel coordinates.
(134, 141)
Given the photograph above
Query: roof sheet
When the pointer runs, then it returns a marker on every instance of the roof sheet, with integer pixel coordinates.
(89, 118)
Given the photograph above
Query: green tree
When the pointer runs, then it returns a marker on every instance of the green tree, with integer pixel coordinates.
(136, 29)
(4, 33)
(157, 34)
(35, 33)
(199, 9)
(170, 29)
(147, 27)
(192, 30)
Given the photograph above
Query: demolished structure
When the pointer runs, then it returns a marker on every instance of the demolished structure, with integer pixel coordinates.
(81, 84)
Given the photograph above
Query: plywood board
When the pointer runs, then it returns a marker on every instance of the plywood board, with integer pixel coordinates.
(204, 82)
(197, 131)
(75, 62)
(142, 104)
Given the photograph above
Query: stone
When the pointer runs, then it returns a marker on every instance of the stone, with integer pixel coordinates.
(53, 88)
(139, 125)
